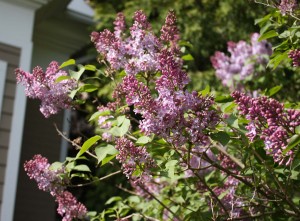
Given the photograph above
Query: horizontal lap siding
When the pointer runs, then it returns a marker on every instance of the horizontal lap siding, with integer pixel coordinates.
(11, 56)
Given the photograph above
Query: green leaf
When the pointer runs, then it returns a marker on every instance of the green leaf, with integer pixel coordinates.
(278, 59)
(108, 159)
(205, 91)
(285, 34)
(223, 99)
(120, 120)
(262, 20)
(88, 88)
(67, 63)
(143, 140)
(102, 152)
(273, 90)
(70, 166)
(125, 127)
(120, 131)
(77, 74)
(87, 144)
(61, 78)
(233, 121)
(227, 107)
(267, 35)
(98, 114)
(170, 166)
(73, 93)
(294, 141)
(90, 67)
(221, 137)
(82, 168)
(187, 57)
(55, 166)
(113, 199)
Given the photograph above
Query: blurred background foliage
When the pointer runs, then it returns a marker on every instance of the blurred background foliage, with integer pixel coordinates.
(205, 26)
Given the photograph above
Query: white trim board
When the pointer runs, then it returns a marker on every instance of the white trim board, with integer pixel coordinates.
(16, 31)
(3, 68)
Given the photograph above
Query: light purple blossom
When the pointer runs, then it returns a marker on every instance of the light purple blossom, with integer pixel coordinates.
(49, 180)
(132, 157)
(69, 207)
(43, 86)
(241, 62)
(136, 53)
(287, 6)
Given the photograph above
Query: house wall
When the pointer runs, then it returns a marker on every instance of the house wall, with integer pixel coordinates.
(24, 132)
(16, 25)
(10, 60)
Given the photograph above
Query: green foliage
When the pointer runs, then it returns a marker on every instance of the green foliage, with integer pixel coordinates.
(207, 25)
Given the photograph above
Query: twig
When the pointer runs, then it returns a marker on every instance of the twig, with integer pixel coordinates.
(73, 143)
(137, 214)
(203, 181)
(95, 181)
(160, 202)
(223, 150)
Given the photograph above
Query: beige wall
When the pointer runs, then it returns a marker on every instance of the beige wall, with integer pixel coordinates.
(10, 55)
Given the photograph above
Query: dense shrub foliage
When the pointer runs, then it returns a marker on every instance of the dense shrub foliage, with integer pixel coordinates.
(186, 154)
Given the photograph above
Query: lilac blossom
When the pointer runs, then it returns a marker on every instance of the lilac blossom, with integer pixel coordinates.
(132, 157)
(43, 86)
(120, 25)
(49, 180)
(241, 62)
(69, 207)
(270, 122)
(295, 56)
(176, 114)
(169, 31)
(287, 6)
(136, 53)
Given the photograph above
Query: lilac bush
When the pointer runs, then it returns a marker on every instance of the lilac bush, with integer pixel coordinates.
(187, 155)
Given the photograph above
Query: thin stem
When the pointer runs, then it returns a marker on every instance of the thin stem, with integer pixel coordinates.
(233, 159)
(95, 181)
(74, 143)
(203, 182)
(160, 202)
(284, 197)
(141, 215)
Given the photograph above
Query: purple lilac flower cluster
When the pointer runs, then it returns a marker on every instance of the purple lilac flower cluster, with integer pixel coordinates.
(49, 180)
(295, 56)
(42, 85)
(176, 114)
(287, 6)
(137, 53)
(241, 62)
(271, 122)
(132, 157)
